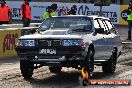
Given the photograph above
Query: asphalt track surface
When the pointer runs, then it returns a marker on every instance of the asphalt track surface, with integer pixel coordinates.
(123, 31)
(10, 76)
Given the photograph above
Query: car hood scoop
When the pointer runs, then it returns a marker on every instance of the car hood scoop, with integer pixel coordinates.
(54, 32)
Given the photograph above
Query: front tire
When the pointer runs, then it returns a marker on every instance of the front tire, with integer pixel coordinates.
(89, 63)
(110, 65)
(26, 68)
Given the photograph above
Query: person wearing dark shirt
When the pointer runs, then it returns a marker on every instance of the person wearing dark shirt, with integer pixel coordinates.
(129, 19)
(73, 10)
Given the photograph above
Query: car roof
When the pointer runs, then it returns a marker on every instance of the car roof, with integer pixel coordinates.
(99, 17)
(91, 16)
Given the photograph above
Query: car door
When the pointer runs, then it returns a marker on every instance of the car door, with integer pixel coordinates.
(110, 41)
(100, 41)
(113, 39)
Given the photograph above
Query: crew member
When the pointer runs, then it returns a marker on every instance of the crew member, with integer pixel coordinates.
(49, 13)
(73, 10)
(5, 13)
(54, 7)
(129, 19)
(26, 13)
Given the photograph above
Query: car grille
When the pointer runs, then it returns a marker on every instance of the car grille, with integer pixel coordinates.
(49, 42)
(49, 57)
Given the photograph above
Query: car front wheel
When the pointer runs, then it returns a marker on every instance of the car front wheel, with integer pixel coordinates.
(110, 65)
(89, 63)
(26, 68)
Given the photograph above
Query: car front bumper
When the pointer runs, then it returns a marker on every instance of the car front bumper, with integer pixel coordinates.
(62, 53)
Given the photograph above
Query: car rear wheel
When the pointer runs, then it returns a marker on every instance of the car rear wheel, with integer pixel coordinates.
(26, 68)
(89, 63)
(55, 69)
(110, 65)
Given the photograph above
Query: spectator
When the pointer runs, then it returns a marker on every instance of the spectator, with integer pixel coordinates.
(54, 7)
(5, 13)
(50, 11)
(129, 19)
(73, 10)
(26, 13)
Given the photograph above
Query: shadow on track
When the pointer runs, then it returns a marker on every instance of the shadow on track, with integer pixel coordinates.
(9, 60)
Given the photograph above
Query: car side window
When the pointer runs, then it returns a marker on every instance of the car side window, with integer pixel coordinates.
(46, 25)
(96, 24)
(106, 27)
(111, 27)
(103, 25)
(99, 27)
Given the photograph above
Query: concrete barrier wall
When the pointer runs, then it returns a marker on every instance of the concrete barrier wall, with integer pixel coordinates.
(9, 40)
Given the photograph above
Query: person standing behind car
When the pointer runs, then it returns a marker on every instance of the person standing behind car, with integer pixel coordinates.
(26, 13)
(129, 19)
(49, 13)
(5, 13)
(73, 10)
(54, 8)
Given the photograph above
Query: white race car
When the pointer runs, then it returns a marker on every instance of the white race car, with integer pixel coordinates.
(70, 41)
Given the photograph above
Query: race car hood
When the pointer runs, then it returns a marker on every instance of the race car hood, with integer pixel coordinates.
(52, 34)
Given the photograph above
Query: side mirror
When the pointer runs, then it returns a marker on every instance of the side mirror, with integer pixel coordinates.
(99, 30)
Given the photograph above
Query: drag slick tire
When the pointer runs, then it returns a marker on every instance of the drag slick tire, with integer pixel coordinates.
(26, 68)
(89, 63)
(55, 69)
(110, 65)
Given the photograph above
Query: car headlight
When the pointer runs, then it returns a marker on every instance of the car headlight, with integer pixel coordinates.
(27, 43)
(71, 42)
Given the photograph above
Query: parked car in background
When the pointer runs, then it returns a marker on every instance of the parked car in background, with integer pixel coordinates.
(70, 41)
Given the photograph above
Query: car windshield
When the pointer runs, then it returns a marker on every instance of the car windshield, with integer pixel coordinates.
(77, 24)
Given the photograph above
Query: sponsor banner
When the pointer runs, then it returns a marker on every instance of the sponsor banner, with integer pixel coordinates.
(8, 41)
(15, 8)
(38, 8)
(107, 11)
(123, 19)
